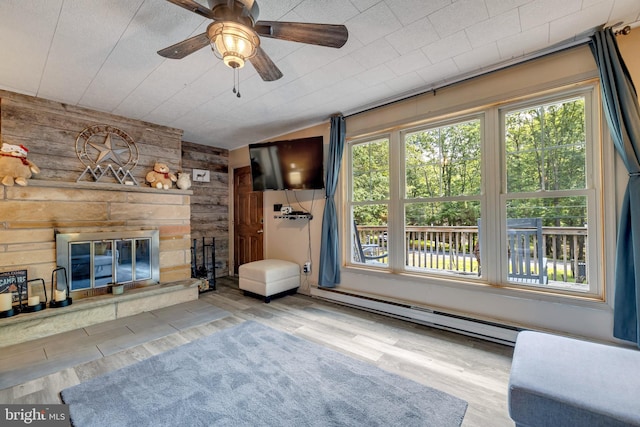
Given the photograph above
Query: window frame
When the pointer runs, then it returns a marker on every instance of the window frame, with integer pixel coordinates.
(493, 190)
(351, 203)
(404, 200)
(593, 185)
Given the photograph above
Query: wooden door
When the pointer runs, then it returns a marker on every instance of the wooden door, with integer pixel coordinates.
(247, 219)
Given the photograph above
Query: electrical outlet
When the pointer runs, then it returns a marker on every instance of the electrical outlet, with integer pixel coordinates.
(306, 268)
(286, 210)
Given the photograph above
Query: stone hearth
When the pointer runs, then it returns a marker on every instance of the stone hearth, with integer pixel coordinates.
(89, 311)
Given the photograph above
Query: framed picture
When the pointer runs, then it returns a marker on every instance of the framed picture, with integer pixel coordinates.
(13, 281)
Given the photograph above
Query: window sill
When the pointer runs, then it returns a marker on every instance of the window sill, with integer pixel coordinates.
(509, 291)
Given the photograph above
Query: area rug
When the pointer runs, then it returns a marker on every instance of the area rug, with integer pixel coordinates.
(253, 375)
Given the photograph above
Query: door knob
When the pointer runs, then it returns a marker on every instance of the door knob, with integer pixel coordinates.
(260, 231)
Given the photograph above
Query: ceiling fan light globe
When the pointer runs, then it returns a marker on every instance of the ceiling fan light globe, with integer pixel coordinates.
(234, 42)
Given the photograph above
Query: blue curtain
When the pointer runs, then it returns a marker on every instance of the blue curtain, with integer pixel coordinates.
(620, 102)
(329, 271)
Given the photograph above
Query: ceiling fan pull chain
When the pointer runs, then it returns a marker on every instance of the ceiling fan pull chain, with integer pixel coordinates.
(237, 70)
(234, 79)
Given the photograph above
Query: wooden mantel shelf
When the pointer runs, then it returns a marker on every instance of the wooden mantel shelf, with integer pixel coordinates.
(35, 182)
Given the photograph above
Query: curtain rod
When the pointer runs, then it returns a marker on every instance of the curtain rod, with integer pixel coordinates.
(578, 40)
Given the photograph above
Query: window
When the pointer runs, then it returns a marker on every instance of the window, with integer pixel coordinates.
(545, 164)
(370, 201)
(442, 197)
(507, 195)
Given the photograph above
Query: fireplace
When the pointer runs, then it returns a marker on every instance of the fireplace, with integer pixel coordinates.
(96, 260)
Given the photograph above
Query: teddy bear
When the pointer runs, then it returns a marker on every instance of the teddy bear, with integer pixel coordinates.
(160, 177)
(14, 166)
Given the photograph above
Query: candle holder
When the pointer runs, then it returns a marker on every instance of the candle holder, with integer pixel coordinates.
(39, 305)
(116, 288)
(55, 303)
(12, 311)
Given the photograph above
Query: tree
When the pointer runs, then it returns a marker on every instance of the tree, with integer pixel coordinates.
(443, 162)
(546, 151)
(370, 175)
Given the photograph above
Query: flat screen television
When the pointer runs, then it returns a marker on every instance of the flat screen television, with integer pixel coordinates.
(295, 164)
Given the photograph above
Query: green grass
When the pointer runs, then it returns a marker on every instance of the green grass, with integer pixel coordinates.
(426, 261)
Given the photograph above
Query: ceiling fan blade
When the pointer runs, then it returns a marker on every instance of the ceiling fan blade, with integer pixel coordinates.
(319, 34)
(185, 47)
(265, 66)
(194, 7)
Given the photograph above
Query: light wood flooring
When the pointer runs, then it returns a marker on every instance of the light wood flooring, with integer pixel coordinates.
(471, 369)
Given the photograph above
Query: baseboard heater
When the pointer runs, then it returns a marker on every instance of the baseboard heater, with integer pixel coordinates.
(489, 331)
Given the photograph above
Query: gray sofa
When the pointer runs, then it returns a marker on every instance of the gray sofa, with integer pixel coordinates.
(559, 381)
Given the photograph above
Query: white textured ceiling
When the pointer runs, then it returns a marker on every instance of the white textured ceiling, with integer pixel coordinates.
(101, 54)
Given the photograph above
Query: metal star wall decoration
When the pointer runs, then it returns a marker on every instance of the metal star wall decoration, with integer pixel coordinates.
(107, 151)
(99, 144)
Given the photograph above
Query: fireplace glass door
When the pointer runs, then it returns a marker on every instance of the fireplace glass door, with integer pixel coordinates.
(143, 259)
(134, 260)
(102, 263)
(124, 269)
(95, 260)
(91, 262)
(81, 265)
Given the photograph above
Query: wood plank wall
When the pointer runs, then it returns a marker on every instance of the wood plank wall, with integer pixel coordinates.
(54, 201)
(49, 130)
(210, 200)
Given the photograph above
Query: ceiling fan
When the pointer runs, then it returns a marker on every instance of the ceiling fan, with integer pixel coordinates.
(235, 32)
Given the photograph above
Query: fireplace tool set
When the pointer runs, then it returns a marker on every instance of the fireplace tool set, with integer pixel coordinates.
(59, 297)
(206, 270)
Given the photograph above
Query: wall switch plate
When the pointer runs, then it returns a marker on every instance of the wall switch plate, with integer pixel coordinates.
(201, 175)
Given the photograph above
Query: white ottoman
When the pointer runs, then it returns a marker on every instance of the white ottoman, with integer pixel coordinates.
(269, 278)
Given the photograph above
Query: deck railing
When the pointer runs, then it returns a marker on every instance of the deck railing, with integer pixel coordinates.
(455, 248)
